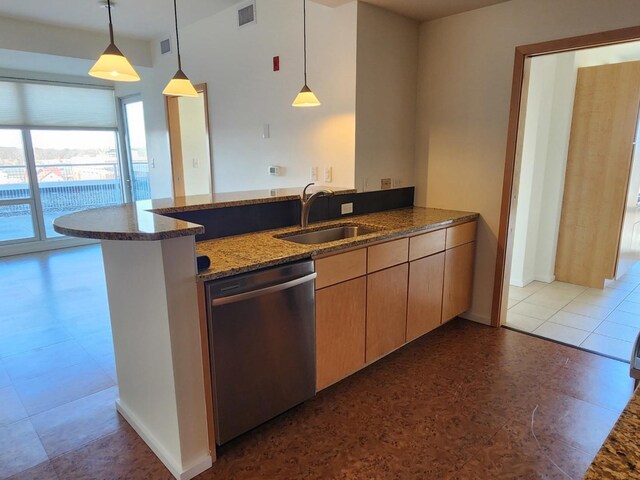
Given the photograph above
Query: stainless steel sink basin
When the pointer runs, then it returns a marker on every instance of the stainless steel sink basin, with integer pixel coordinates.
(329, 234)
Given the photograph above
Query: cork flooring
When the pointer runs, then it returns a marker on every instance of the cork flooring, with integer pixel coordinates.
(463, 402)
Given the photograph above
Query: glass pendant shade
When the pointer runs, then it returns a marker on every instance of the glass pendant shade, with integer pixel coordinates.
(306, 98)
(113, 65)
(180, 86)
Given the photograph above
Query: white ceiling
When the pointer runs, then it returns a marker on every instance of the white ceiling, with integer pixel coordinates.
(142, 19)
(151, 19)
(431, 9)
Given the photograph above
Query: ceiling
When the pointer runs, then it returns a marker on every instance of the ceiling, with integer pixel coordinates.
(431, 9)
(151, 19)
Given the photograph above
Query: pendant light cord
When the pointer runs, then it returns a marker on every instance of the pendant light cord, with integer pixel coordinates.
(175, 15)
(110, 23)
(304, 17)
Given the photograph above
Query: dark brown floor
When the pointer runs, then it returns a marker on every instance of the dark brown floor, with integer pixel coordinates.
(460, 403)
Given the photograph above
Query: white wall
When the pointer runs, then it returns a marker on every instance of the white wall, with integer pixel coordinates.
(196, 164)
(547, 111)
(464, 86)
(245, 94)
(385, 97)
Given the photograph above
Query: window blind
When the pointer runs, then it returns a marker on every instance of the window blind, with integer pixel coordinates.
(48, 105)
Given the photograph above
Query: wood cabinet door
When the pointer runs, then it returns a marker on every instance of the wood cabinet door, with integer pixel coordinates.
(340, 331)
(386, 311)
(458, 280)
(424, 308)
(603, 130)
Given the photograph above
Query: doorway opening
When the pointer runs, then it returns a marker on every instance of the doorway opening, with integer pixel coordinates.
(188, 124)
(567, 247)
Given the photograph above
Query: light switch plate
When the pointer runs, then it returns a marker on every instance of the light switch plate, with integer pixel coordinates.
(328, 174)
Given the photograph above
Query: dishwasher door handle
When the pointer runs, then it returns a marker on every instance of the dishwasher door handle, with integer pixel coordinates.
(263, 291)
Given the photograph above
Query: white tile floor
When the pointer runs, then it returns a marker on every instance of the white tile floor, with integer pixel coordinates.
(604, 321)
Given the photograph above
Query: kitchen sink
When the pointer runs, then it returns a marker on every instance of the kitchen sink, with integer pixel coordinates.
(328, 234)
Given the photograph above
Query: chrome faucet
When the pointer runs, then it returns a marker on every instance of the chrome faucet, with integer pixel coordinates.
(307, 200)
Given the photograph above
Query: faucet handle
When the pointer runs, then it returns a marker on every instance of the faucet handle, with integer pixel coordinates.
(304, 191)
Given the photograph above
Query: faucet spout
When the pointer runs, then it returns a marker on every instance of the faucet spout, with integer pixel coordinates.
(307, 202)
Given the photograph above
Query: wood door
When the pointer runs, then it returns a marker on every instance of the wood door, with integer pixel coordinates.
(386, 311)
(424, 308)
(603, 129)
(458, 280)
(340, 331)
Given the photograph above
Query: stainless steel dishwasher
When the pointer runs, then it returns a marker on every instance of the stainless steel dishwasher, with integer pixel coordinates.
(262, 342)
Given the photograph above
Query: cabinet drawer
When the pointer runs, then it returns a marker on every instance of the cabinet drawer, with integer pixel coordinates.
(341, 267)
(388, 254)
(461, 234)
(427, 244)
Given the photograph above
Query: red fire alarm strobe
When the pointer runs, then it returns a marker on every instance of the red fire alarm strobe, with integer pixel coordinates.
(276, 64)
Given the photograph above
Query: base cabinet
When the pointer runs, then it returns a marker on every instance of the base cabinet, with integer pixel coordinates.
(458, 280)
(424, 306)
(340, 331)
(371, 301)
(386, 311)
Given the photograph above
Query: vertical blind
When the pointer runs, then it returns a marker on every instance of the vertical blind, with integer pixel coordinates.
(34, 104)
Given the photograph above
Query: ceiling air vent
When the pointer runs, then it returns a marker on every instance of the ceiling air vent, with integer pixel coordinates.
(165, 46)
(247, 14)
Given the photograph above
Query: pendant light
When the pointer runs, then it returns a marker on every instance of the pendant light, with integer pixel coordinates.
(306, 98)
(179, 85)
(112, 64)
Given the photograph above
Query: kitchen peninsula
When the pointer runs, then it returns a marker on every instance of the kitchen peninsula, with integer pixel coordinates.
(155, 292)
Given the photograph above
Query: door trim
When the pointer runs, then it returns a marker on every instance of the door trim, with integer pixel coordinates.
(505, 240)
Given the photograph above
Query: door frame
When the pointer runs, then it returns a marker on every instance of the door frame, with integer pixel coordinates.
(175, 140)
(507, 209)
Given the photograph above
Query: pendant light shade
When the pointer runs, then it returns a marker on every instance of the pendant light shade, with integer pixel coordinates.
(112, 64)
(179, 85)
(306, 98)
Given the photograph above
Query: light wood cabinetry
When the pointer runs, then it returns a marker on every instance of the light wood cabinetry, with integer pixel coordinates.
(373, 300)
(340, 331)
(458, 280)
(427, 244)
(387, 255)
(341, 267)
(424, 305)
(386, 311)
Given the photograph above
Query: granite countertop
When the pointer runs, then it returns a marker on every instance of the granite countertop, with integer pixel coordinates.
(232, 199)
(244, 253)
(144, 220)
(619, 457)
(123, 222)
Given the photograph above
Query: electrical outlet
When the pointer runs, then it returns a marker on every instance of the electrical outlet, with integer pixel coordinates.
(314, 174)
(385, 183)
(266, 131)
(153, 163)
(397, 182)
(346, 208)
(365, 185)
(328, 174)
(196, 163)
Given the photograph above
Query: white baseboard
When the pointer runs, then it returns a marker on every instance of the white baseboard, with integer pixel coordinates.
(474, 317)
(546, 278)
(43, 246)
(172, 465)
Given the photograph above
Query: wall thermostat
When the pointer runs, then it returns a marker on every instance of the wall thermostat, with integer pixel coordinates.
(274, 170)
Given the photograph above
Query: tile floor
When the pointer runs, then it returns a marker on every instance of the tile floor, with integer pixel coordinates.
(462, 402)
(603, 321)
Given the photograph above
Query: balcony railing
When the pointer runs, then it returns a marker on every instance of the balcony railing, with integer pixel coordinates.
(63, 189)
